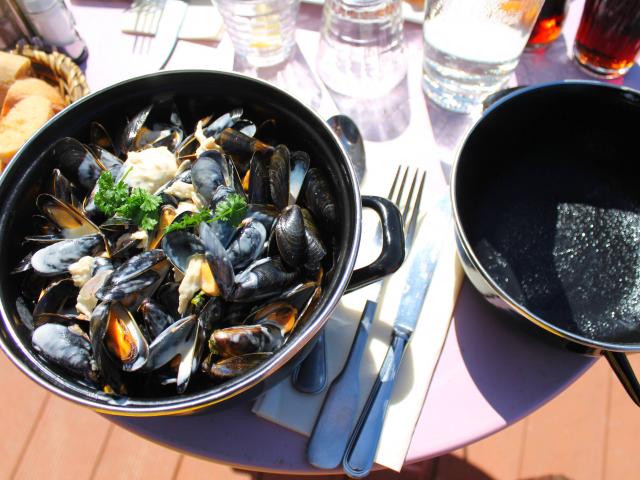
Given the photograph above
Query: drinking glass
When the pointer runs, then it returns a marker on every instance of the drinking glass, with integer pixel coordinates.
(361, 51)
(548, 27)
(262, 31)
(471, 48)
(608, 37)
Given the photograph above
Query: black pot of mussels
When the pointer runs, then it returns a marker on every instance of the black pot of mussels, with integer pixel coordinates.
(177, 241)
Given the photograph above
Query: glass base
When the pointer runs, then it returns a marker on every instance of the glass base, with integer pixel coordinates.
(453, 100)
(597, 71)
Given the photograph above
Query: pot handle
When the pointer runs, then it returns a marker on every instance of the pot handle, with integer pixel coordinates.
(393, 251)
(623, 370)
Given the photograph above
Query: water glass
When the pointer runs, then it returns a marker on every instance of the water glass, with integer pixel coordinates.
(471, 48)
(262, 31)
(608, 37)
(361, 51)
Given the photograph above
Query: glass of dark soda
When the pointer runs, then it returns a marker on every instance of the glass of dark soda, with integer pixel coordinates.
(608, 37)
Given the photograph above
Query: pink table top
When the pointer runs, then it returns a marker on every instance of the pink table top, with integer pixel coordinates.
(490, 374)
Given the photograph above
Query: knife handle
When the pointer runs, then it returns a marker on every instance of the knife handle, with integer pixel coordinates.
(363, 444)
(333, 426)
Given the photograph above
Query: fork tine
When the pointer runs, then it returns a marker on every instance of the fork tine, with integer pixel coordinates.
(407, 206)
(416, 209)
(401, 189)
(395, 182)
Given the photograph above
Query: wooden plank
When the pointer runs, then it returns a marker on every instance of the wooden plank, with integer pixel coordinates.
(623, 430)
(499, 455)
(130, 457)
(66, 444)
(454, 466)
(567, 436)
(23, 402)
(192, 468)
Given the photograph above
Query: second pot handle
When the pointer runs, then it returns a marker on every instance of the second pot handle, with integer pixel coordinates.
(393, 251)
(623, 370)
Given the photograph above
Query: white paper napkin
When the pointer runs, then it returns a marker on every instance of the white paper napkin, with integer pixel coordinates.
(201, 22)
(287, 407)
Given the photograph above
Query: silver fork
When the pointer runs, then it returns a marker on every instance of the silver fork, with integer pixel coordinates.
(336, 420)
(147, 16)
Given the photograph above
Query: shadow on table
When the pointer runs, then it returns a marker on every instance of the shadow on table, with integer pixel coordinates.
(379, 119)
(294, 76)
(508, 361)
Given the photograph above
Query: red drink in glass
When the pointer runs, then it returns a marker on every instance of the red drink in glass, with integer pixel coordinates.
(608, 38)
(549, 24)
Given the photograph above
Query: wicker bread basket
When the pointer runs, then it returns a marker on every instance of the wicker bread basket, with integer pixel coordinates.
(58, 70)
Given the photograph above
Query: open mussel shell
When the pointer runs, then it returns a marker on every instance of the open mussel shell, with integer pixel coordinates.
(233, 367)
(300, 162)
(207, 174)
(71, 222)
(319, 198)
(64, 190)
(244, 339)
(259, 186)
(76, 162)
(280, 314)
(135, 266)
(55, 259)
(217, 259)
(316, 251)
(248, 244)
(290, 237)
(65, 346)
(226, 120)
(132, 287)
(179, 246)
(279, 172)
(53, 298)
(241, 147)
(266, 278)
(124, 338)
(155, 318)
(132, 131)
(100, 137)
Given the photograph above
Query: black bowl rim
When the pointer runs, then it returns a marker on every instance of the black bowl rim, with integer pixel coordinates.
(477, 265)
(38, 372)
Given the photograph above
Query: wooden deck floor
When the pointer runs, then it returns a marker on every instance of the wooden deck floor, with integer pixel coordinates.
(588, 432)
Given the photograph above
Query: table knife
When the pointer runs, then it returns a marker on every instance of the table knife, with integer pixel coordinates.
(363, 443)
(331, 432)
(166, 37)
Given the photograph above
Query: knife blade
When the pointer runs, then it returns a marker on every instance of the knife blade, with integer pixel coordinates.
(166, 37)
(422, 261)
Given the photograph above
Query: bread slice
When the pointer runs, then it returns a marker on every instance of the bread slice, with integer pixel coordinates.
(32, 86)
(12, 67)
(20, 123)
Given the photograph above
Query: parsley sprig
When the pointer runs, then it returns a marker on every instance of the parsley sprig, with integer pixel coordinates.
(232, 209)
(190, 221)
(136, 204)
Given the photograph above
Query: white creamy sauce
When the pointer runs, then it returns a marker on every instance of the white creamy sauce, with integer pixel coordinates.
(87, 300)
(206, 143)
(142, 236)
(81, 271)
(186, 207)
(191, 283)
(180, 190)
(150, 168)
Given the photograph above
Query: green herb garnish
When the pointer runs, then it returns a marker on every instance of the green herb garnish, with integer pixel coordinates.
(199, 299)
(190, 221)
(135, 204)
(232, 209)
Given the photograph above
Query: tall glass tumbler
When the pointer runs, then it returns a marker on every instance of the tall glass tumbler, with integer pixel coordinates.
(361, 52)
(262, 31)
(608, 37)
(471, 48)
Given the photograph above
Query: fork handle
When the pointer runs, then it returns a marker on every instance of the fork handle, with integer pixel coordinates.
(363, 445)
(393, 250)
